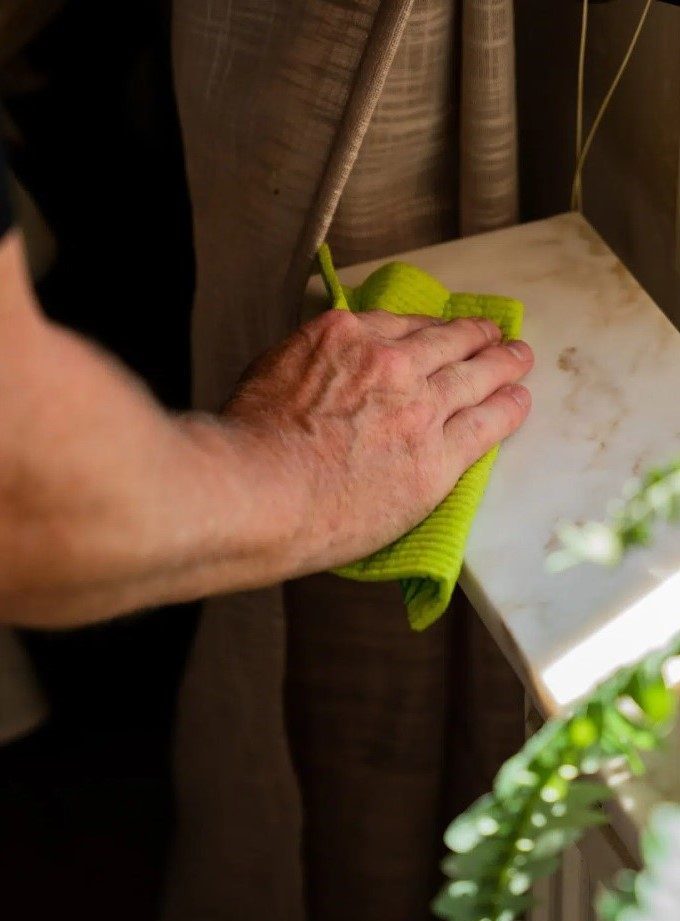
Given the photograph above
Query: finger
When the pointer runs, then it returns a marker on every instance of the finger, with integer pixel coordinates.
(433, 348)
(467, 383)
(474, 431)
(397, 326)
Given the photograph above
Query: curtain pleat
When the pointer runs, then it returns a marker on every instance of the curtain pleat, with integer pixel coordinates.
(488, 118)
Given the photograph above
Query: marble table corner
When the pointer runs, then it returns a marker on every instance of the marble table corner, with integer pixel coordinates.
(606, 393)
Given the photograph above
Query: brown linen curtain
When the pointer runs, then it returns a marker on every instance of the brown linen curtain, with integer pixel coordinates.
(488, 117)
(314, 749)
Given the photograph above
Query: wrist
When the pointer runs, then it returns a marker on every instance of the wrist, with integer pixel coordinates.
(253, 502)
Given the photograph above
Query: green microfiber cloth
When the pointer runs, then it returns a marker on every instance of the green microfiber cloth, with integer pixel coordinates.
(428, 559)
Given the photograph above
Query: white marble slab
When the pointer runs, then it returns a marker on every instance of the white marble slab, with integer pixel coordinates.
(606, 391)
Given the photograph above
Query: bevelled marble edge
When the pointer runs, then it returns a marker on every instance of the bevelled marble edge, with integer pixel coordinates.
(618, 352)
(582, 307)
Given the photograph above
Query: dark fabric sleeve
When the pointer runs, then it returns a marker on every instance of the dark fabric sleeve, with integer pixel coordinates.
(6, 217)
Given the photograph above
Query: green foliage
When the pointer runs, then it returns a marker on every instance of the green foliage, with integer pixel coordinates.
(654, 893)
(541, 802)
(653, 499)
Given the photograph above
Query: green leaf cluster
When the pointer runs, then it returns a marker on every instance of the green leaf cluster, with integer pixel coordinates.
(542, 800)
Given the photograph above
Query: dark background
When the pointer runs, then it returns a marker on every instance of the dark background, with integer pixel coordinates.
(85, 802)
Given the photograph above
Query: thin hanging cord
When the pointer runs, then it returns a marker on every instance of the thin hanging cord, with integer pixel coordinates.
(576, 187)
(577, 195)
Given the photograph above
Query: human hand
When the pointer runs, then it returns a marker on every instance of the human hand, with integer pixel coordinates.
(336, 442)
(368, 420)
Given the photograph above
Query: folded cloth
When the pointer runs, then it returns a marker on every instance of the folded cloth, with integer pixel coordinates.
(427, 560)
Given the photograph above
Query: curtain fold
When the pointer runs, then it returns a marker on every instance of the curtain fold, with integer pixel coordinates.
(273, 96)
(488, 118)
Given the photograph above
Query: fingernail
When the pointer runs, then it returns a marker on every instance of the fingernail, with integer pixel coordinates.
(519, 349)
(520, 395)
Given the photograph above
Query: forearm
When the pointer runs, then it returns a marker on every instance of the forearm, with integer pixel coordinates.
(108, 503)
(340, 439)
(187, 519)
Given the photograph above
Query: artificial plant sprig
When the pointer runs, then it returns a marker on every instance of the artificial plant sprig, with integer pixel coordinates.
(540, 803)
(654, 498)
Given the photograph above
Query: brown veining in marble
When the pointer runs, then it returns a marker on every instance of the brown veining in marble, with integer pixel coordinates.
(589, 382)
(566, 360)
(553, 543)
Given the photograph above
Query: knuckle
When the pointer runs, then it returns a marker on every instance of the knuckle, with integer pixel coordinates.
(416, 419)
(465, 325)
(494, 356)
(477, 330)
(338, 323)
(462, 382)
(473, 429)
(337, 333)
(389, 364)
(380, 321)
(304, 337)
(428, 322)
(379, 314)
